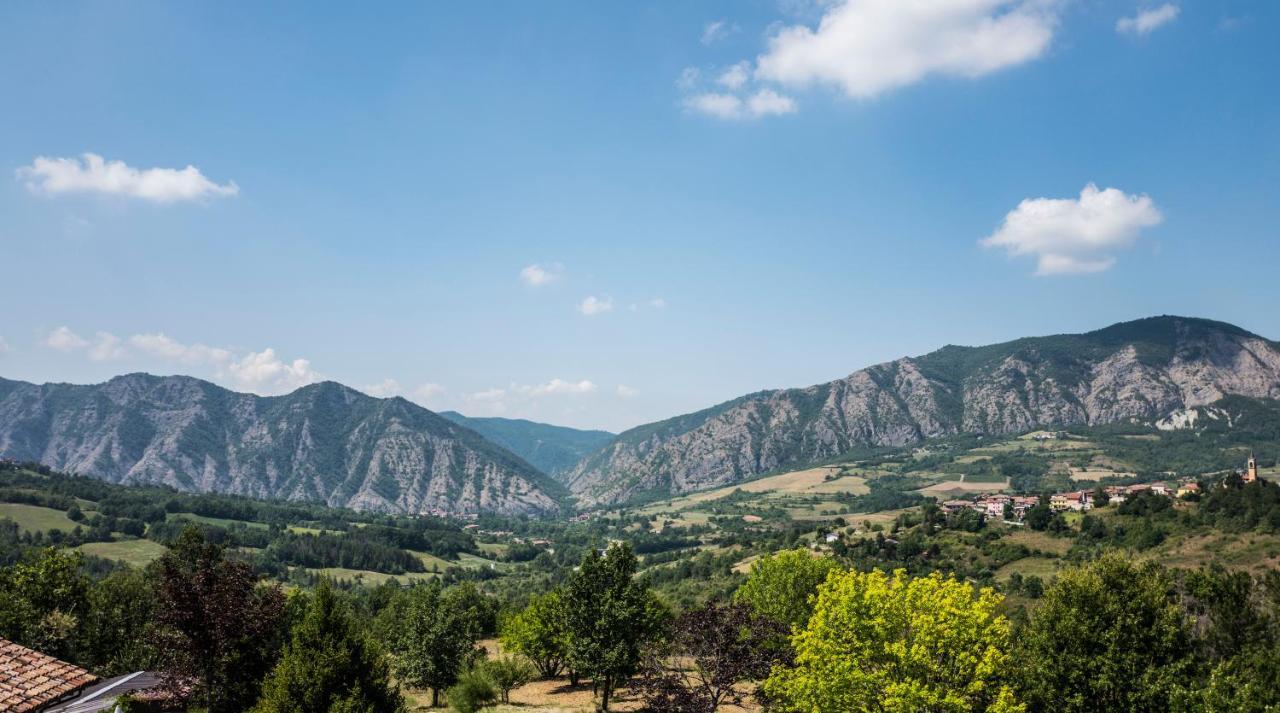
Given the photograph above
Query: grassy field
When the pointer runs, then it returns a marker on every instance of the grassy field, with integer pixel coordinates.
(1039, 541)
(136, 553)
(431, 561)
(1252, 551)
(220, 521)
(1042, 567)
(812, 481)
(33, 518)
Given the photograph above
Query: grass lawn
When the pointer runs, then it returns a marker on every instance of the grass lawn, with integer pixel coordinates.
(33, 518)
(136, 553)
(494, 548)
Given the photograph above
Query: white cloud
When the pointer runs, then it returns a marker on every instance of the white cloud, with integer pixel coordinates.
(4, 347)
(627, 392)
(65, 340)
(96, 175)
(716, 31)
(722, 106)
(265, 373)
(106, 347)
(764, 102)
(767, 102)
(537, 275)
(557, 387)
(529, 400)
(1148, 20)
(1069, 235)
(383, 389)
(160, 345)
(258, 372)
(657, 303)
(593, 305)
(866, 47)
(735, 76)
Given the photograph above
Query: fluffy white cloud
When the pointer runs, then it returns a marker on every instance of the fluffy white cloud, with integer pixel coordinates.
(1148, 20)
(716, 31)
(866, 47)
(106, 347)
(557, 387)
(265, 373)
(627, 392)
(537, 275)
(1075, 235)
(164, 347)
(735, 76)
(529, 400)
(764, 102)
(96, 175)
(383, 389)
(65, 340)
(593, 305)
(767, 102)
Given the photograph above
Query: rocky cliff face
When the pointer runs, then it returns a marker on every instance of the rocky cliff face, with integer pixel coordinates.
(322, 442)
(1143, 370)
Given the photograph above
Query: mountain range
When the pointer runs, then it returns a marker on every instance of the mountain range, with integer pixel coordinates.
(1144, 370)
(331, 443)
(323, 442)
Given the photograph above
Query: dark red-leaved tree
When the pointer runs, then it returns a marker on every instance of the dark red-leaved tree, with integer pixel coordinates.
(710, 659)
(217, 631)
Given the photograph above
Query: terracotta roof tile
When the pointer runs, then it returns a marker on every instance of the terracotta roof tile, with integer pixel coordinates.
(30, 679)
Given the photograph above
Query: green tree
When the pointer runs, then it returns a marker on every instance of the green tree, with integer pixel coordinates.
(115, 628)
(507, 673)
(1108, 636)
(539, 633)
(437, 638)
(610, 616)
(781, 587)
(218, 632)
(42, 600)
(892, 644)
(329, 666)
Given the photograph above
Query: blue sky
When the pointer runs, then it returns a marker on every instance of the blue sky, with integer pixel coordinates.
(755, 194)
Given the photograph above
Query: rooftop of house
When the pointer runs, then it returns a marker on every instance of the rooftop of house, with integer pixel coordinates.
(30, 680)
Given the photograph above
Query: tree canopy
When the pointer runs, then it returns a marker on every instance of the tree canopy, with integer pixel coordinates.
(890, 643)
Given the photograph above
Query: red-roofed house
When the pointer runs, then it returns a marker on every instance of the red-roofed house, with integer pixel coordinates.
(31, 681)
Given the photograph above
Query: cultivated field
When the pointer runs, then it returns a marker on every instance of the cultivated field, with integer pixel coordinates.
(33, 518)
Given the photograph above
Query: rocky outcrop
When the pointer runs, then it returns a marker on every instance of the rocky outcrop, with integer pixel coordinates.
(1143, 370)
(322, 442)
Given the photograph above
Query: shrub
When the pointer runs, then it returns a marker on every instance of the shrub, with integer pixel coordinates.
(473, 691)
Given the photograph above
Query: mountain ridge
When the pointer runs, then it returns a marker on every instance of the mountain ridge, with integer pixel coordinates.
(552, 449)
(1144, 368)
(324, 441)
